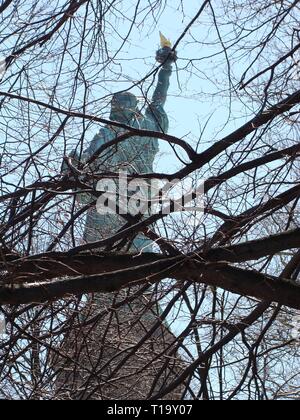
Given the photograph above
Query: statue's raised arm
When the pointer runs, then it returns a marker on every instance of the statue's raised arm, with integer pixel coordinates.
(155, 111)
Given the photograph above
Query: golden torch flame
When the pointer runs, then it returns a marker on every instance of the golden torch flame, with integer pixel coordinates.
(164, 41)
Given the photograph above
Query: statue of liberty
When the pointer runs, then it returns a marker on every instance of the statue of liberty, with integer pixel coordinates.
(112, 337)
(135, 155)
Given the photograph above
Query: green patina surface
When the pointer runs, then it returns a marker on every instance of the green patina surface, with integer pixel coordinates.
(134, 155)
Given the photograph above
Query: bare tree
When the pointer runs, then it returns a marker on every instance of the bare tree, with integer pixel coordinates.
(212, 311)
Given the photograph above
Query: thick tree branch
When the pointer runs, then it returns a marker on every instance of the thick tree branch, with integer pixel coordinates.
(256, 249)
(51, 265)
(235, 280)
(5, 5)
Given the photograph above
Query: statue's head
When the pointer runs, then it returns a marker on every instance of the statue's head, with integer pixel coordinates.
(123, 107)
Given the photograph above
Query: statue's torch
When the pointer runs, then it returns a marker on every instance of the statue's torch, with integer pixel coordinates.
(165, 53)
